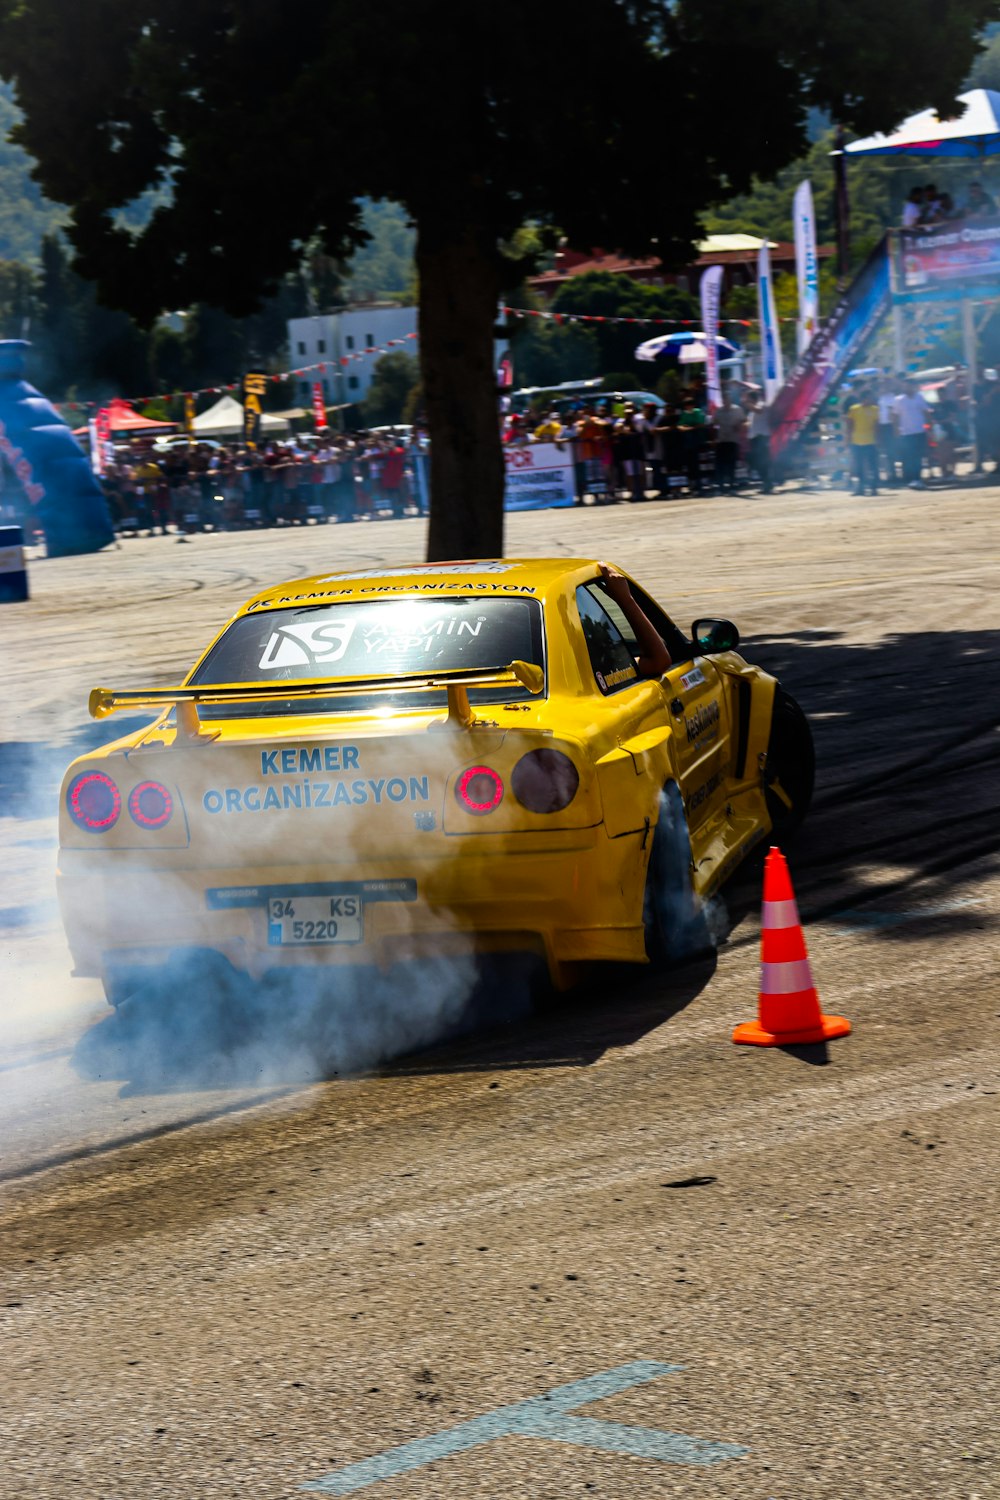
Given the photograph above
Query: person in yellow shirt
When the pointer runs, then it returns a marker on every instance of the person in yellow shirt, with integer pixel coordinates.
(550, 430)
(862, 426)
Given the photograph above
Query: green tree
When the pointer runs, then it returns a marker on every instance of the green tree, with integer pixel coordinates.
(18, 299)
(985, 72)
(384, 266)
(547, 353)
(605, 295)
(458, 123)
(25, 215)
(394, 378)
(83, 349)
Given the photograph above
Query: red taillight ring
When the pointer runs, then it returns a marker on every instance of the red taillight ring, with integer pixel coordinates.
(150, 804)
(479, 790)
(94, 801)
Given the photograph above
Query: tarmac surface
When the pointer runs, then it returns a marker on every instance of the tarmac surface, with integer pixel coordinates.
(222, 1275)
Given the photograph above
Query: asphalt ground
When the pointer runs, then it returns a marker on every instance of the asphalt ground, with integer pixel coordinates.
(223, 1280)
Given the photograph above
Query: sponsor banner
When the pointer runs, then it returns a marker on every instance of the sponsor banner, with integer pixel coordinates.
(319, 405)
(806, 264)
(96, 448)
(770, 339)
(539, 475)
(711, 290)
(189, 415)
(952, 253)
(254, 386)
(832, 351)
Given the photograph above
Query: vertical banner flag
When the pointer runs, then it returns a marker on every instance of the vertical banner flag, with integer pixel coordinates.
(806, 265)
(100, 443)
(189, 415)
(96, 448)
(770, 343)
(711, 290)
(319, 405)
(254, 386)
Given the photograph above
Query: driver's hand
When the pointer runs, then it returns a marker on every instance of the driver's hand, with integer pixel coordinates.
(617, 583)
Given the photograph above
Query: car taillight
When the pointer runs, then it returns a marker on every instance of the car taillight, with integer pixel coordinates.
(94, 801)
(150, 805)
(545, 781)
(479, 790)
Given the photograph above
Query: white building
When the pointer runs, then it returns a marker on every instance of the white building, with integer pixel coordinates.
(329, 338)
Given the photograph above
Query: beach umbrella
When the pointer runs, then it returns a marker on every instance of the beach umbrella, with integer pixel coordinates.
(687, 348)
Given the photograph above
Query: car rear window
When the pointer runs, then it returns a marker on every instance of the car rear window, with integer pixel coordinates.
(376, 638)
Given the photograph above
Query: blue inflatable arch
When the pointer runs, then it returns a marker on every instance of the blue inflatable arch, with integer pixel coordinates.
(52, 469)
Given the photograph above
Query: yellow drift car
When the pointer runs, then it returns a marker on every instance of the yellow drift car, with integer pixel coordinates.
(376, 766)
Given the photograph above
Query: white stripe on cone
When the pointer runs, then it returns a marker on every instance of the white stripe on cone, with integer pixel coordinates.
(785, 979)
(779, 914)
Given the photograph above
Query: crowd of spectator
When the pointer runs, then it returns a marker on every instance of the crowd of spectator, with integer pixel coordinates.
(625, 450)
(620, 450)
(226, 487)
(902, 433)
(928, 208)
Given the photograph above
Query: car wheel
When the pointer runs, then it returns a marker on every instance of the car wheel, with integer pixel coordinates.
(790, 770)
(673, 919)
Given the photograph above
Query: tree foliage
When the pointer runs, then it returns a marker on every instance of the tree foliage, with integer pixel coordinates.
(460, 123)
(547, 352)
(985, 72)
(394, 379)
(383, 266)
(25, 215)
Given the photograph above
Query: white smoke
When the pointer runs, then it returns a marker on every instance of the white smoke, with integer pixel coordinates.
(197, 1023)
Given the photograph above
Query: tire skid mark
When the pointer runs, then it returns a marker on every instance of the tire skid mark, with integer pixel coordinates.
(140, 1137)
(786, 1118)
(895, 773)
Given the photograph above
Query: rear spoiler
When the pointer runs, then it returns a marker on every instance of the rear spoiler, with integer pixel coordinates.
(105, 701)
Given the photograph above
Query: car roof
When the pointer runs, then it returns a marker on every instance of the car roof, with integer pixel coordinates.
(498, 578)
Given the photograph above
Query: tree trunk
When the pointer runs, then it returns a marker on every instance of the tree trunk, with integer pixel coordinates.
(459, 287)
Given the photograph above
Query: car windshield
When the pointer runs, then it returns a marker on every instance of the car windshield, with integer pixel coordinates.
(380, 638)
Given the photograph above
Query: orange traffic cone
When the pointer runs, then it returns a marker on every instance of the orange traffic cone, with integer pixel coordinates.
(789, 1010)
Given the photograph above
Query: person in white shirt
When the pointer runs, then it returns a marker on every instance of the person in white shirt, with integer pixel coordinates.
(759, 426)
(730, 427)
(910, 413)
(886, 433)
(913, 209)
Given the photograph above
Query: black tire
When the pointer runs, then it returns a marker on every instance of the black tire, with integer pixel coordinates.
(790, 771)
(673, 919)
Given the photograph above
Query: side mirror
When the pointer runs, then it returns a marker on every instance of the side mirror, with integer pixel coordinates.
(715, 635)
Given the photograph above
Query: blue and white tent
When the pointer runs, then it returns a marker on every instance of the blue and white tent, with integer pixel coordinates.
(975, 131)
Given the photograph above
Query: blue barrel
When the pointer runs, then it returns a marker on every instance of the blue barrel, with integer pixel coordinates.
(13, 569)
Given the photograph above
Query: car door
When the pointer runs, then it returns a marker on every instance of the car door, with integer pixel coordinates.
(631, 734)
(698, 705)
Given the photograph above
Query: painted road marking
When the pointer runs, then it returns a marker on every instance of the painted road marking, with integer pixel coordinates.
(858, 918)
(544, 1416)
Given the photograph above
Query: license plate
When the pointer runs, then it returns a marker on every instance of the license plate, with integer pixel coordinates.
(293, 921)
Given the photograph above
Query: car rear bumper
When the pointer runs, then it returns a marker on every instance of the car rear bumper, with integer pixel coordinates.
(577, 902)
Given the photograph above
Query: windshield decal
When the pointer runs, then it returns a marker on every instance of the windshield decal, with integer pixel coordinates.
(379, 638)
(315, 644)
(467, 586)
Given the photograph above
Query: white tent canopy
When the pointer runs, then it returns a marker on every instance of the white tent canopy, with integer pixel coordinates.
(225, 419)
